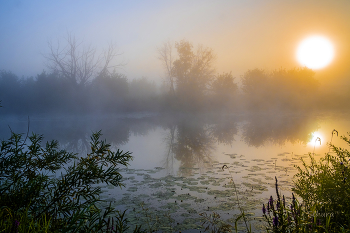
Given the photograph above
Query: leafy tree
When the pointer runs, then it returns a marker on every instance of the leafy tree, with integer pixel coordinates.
(142, 95)
(193, 72)
(108, 92)
(292, 89)
(255, 85)
(30, 182)
(10, 89)
(223, 90)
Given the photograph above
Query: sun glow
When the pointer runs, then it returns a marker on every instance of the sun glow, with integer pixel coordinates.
(317, 139)
(315, 52)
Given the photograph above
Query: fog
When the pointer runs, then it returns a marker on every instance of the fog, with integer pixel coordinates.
(197, 73)
(244, 35)
(81, 82)
(209, 97)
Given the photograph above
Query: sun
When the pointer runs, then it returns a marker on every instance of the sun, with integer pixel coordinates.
(315, 52)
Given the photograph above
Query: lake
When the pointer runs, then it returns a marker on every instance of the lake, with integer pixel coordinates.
(186, 165)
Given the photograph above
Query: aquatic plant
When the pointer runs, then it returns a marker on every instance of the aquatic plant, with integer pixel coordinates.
(214, 224)
(32, 190)
(242, 215)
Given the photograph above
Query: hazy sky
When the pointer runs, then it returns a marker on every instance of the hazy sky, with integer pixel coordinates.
(243, 34)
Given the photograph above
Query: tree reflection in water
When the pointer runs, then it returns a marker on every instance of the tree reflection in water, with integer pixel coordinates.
(191, 142)
(278, 130)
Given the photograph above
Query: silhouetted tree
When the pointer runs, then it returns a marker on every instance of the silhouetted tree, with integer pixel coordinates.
(108, 92)
(143, 95)
(281, 89)
(223, 90)
(79, 65)
(255, 85)
(10, 91)
(294, 89)
(165, 53)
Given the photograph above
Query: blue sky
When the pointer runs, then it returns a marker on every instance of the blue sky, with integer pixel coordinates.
(243, 34)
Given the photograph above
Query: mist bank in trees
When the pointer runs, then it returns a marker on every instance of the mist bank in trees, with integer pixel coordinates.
(50, 93)
(280, 90)
(194, 85)
(294, 89)
(80, 82)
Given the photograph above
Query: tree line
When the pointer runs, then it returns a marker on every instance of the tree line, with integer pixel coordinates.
(78, 81)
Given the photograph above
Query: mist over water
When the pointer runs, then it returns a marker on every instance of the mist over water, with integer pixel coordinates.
(185, 140)
(183, 133)
(205, 100)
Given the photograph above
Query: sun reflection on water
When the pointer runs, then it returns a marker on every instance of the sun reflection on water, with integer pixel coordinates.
(316, 139)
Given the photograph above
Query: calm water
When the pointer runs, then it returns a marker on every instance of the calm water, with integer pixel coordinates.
(177, 170)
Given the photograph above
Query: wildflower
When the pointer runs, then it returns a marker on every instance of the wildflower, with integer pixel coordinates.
(15, 226)
(275, 221)
(278, 204)
(288, 218)
(341, 163)
(284, 202)
(271, 201)
(263, 209)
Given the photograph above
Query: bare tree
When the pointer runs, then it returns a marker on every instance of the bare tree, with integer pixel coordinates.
(165, 53)
(79, 64)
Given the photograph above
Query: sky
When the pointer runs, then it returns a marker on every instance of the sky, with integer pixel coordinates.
(243, 34)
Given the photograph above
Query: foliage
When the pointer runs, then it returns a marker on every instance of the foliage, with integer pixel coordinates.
(193, 73)
(31, 188)
(290, 217)
(22, 221)
(223, 90)
(284, 89)
(324, 190)
(50, 93)
(214, 224)
(78, 65)
(325, 184)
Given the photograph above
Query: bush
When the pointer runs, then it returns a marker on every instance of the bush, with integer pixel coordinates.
(324, 189)
(325, 185)
(32, 193)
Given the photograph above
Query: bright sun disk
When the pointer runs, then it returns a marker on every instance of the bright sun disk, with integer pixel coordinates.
(315, 52)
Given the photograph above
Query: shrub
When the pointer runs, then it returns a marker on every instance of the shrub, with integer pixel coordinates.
(54, 188)
(325, 185)
(324, 189)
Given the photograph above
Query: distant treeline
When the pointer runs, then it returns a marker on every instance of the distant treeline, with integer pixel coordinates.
(79, 84)
(289, 90)
(50, 93)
